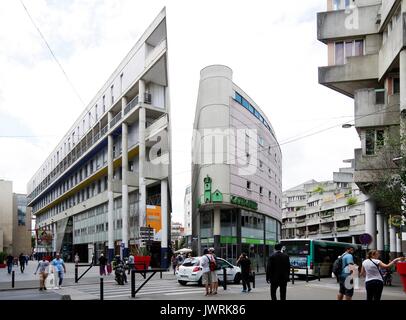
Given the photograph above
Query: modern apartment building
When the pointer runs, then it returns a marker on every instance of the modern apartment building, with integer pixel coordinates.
(367, 62)
(188, 211)
(236, 171)
(177, 231)
(109, 178)
(15, 221)
(329, 210)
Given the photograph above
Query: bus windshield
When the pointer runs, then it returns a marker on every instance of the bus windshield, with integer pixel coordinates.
(296, 248)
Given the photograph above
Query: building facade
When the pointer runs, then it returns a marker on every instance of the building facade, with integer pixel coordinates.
(367, 62)
(177, 231)
(109, 178)
(15, 221)
(236, 171)
(329, 210)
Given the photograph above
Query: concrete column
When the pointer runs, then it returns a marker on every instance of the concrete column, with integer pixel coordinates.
(370, 222)
(110, 212)
(402, 79)
(125, 205)
(353, 239)
(380, 235)
(55, 238)
(386, 233)
(398, 243)
(164, 224)
(141, 170)
(392, 237)
(216, 230)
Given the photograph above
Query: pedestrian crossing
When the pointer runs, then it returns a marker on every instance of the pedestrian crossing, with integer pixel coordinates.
(158, 287)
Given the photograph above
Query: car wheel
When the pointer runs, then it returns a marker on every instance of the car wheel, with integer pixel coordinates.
(237, 278)
(183, 283)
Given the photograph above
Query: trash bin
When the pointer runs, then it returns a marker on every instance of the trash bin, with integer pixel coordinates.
(401, 269)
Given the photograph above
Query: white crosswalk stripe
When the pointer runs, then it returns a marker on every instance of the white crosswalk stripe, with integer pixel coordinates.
(153, 287)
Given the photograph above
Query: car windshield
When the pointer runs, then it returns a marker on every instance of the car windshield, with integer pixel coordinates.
(190, 262)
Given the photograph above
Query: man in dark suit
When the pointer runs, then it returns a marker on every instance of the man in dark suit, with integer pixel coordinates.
(277, 272)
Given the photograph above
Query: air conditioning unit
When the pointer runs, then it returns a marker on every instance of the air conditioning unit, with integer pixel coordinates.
(147, 98)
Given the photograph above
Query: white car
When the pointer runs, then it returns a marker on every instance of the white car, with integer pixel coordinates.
(190, 271)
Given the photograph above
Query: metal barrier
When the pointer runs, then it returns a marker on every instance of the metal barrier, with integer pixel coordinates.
(293, 275)
(253, 279)
(319, 273)
(12, 278)
(307, 273)
(101, 289)
(77, 270)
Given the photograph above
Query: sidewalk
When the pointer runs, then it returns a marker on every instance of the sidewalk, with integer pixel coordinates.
(28, 280)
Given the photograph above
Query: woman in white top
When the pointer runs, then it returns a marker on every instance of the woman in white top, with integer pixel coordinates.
(371, 268)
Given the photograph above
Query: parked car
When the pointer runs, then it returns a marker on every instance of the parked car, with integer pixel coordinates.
(190, 271)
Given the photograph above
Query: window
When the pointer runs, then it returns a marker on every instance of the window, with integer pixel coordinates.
(104, 104)
(350, 48)
(379, 96)
(95, 111)
(248, 184)
(260, 164)
(374, 139)
(261, 189)
(260, 141)
(270, 195)
(245, 104)
(238, 98)
(396, 85)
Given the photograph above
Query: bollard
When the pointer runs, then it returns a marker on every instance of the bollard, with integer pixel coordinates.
(253, 280)
(76, 273)
(293, 275)
(101, 288)
(132, 283)
(257, 267)
(307, 274)
(319, 272)
(224, 278)
(12, 278)
(161, 275)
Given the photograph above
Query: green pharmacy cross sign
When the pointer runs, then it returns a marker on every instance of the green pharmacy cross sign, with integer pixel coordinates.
(244, 202)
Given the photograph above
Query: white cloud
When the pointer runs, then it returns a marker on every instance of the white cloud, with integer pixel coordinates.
(271, 47)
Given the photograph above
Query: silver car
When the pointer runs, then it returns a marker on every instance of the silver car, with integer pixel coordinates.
(190, 271)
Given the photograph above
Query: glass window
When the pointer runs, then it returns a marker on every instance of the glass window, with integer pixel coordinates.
(245, 103)
(359, 48)
(336, 4)
(380, 138)
(257, 114)
(370, 142)
(238, 98)
(348, 49)
(206, 224)
(396, 85)
(339, 53)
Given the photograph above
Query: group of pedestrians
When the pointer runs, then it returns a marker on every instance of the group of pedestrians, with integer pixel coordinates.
(22, 261)
(56, 267)
(372, 269)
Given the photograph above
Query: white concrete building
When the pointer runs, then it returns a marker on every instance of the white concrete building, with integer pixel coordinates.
(188, 211)
(329, 210)
(367, 62)
(109, 177)
(236, 171)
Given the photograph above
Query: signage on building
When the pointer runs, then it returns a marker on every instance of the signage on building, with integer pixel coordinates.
(244, 202)
(153, 216)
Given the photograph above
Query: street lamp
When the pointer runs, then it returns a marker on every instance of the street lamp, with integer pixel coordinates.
(347, 125)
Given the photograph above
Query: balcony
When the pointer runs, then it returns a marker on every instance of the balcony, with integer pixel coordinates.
(371, 168)
(115, 120)
(155, 53)
(131, 105)
(370, 114)
(343, 228)
(335, 25)
(359, 72)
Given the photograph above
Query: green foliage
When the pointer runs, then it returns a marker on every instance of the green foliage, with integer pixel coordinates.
(351, 201)
(3, 257)
(318, 189)
(141, 251)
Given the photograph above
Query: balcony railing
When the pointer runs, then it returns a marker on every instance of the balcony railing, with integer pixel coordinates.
(115, 120)
(104, 130)
(131, 105)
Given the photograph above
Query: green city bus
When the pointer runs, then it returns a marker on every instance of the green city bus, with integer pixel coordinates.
(316, 255)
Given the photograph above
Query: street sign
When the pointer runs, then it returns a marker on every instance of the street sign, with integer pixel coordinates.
(365, 238)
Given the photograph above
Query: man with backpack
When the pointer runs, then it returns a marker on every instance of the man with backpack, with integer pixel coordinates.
(208, 264)
(343, 269)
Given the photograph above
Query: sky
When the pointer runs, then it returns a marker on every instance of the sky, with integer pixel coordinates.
(271, 47)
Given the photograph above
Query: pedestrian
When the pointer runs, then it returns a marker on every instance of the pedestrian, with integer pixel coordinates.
(59, 267)
(9, 261)
(21, 259)
(131, 262)
(179, 259)
(374, 280)
(346, 287)
(102, 264)
(43, 266)
(76, 258)
(245, 263)
(174, 264)
(214, 279)
(206, 277)
(277, 272)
